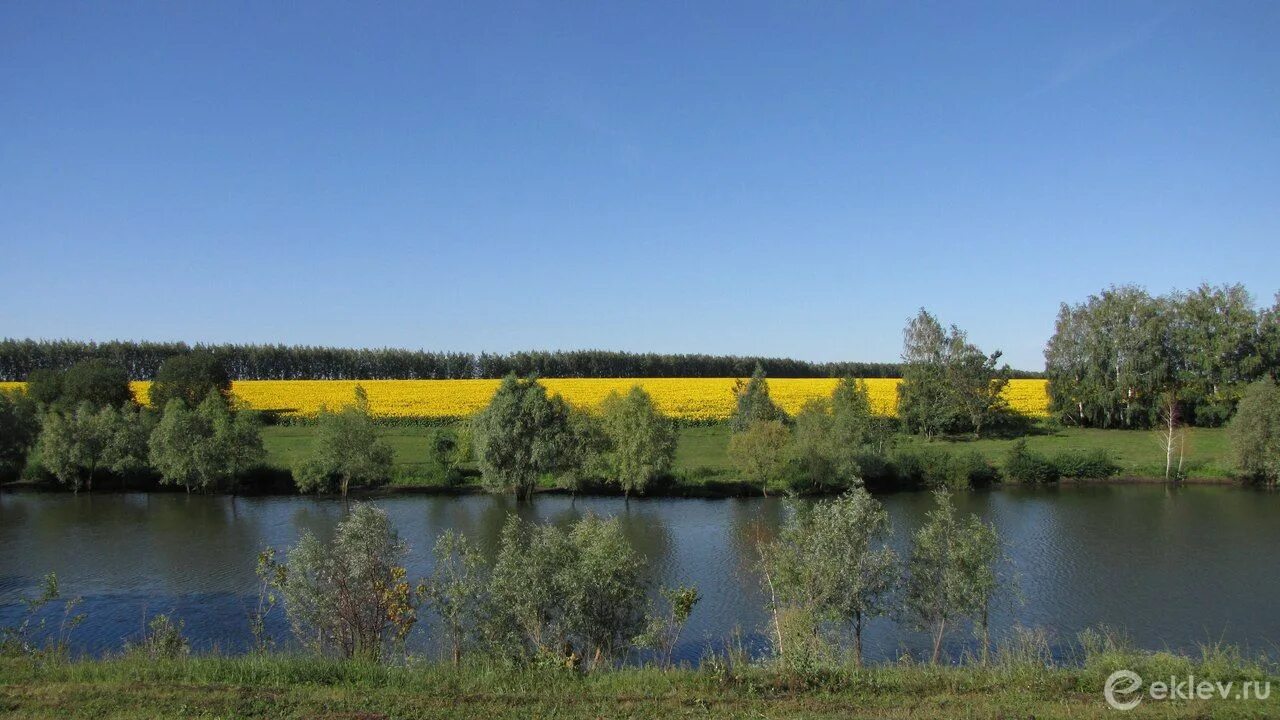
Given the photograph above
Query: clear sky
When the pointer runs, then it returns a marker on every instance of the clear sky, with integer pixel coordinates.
(783, 178)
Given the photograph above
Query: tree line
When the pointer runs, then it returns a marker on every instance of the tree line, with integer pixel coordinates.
(1126, 359)
(142, 360)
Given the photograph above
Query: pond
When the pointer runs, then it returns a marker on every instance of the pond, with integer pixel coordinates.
(1171, 567)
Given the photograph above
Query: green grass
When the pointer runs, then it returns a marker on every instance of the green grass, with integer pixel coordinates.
(1138, 452)
(294, 687)
(701, 458)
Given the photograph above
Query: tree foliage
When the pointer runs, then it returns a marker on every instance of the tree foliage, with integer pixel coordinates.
(641, 443)
(948, 384)
(347, 598)
(458, 591)
(758, 453)
(1255, 433)
(190, 379)
(1116, 359)
(832, 564)
(75, 445)
(19, 428)
(521, 435)
(95, 381)
(142, 360)
(753, 403)
(206, 448)
(347, 451)
(951, 572)
(569, 596)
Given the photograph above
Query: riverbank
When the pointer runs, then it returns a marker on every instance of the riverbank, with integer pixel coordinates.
(702, 467)
(289, 687)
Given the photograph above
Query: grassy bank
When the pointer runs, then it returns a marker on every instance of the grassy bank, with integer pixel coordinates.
(283, 687)
(701, 459)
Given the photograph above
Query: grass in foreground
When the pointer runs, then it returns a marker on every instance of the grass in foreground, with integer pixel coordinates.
(288, 687)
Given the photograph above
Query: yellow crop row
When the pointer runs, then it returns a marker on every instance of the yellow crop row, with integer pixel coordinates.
(685, 398)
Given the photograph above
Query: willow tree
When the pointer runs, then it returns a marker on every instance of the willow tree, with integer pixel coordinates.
(521, 435)
(641, 443)
(347, 450)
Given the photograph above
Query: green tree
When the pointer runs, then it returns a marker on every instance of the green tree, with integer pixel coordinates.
(1212, 349)
(1108, 361)
(979, 559)
(349, 597)
(19, 427)
(457, 590)
(44, 386)
(189, 378)
(759, 453)
(1268, 342)
(1255, 433)
(206, 448)
(347, 451)
(819, 460)
(521, 435)
(976, 382)
(753, 403)
(948, 384)
(663, 630)
(575, 595)
(641, 443)
(855, 422)
(75, 445)
(937, 590)
(97, 382)
(832, 563)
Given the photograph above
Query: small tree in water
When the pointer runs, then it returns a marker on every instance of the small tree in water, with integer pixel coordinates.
(951, 573)
(457, 590)
(831, 565)
(572, 596)
(347, 451)
(348, 598)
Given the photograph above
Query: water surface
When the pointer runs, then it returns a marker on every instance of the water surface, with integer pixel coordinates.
(1172, 567)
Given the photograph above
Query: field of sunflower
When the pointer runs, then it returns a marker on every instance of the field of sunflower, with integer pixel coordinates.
(683, 398)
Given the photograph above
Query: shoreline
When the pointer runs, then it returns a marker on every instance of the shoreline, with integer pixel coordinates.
(725, 490)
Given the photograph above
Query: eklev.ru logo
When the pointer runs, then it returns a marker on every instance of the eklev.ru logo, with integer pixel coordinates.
(1124, 689)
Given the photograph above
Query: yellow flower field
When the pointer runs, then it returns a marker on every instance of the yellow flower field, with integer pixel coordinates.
(684, 398)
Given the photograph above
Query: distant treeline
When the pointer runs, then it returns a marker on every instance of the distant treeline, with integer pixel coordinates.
(297, 362)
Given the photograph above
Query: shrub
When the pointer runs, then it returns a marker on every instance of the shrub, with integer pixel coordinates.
(347, 451)
(1025, 466)
(936, 468)
(18, 430)
(1096, 464)
(348, 597)
(758, 452)
(1255, 433)
(566, 596)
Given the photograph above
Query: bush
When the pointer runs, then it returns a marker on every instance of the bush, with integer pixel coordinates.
(1096, 464)
(937, 468)
(189, 378)
(348, 597)
(1255, 433)
(1025, 466)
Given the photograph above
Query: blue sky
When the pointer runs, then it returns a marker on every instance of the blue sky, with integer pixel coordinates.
(784, 178)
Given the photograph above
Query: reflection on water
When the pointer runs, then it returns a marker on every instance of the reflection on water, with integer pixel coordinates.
(1174, 567)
